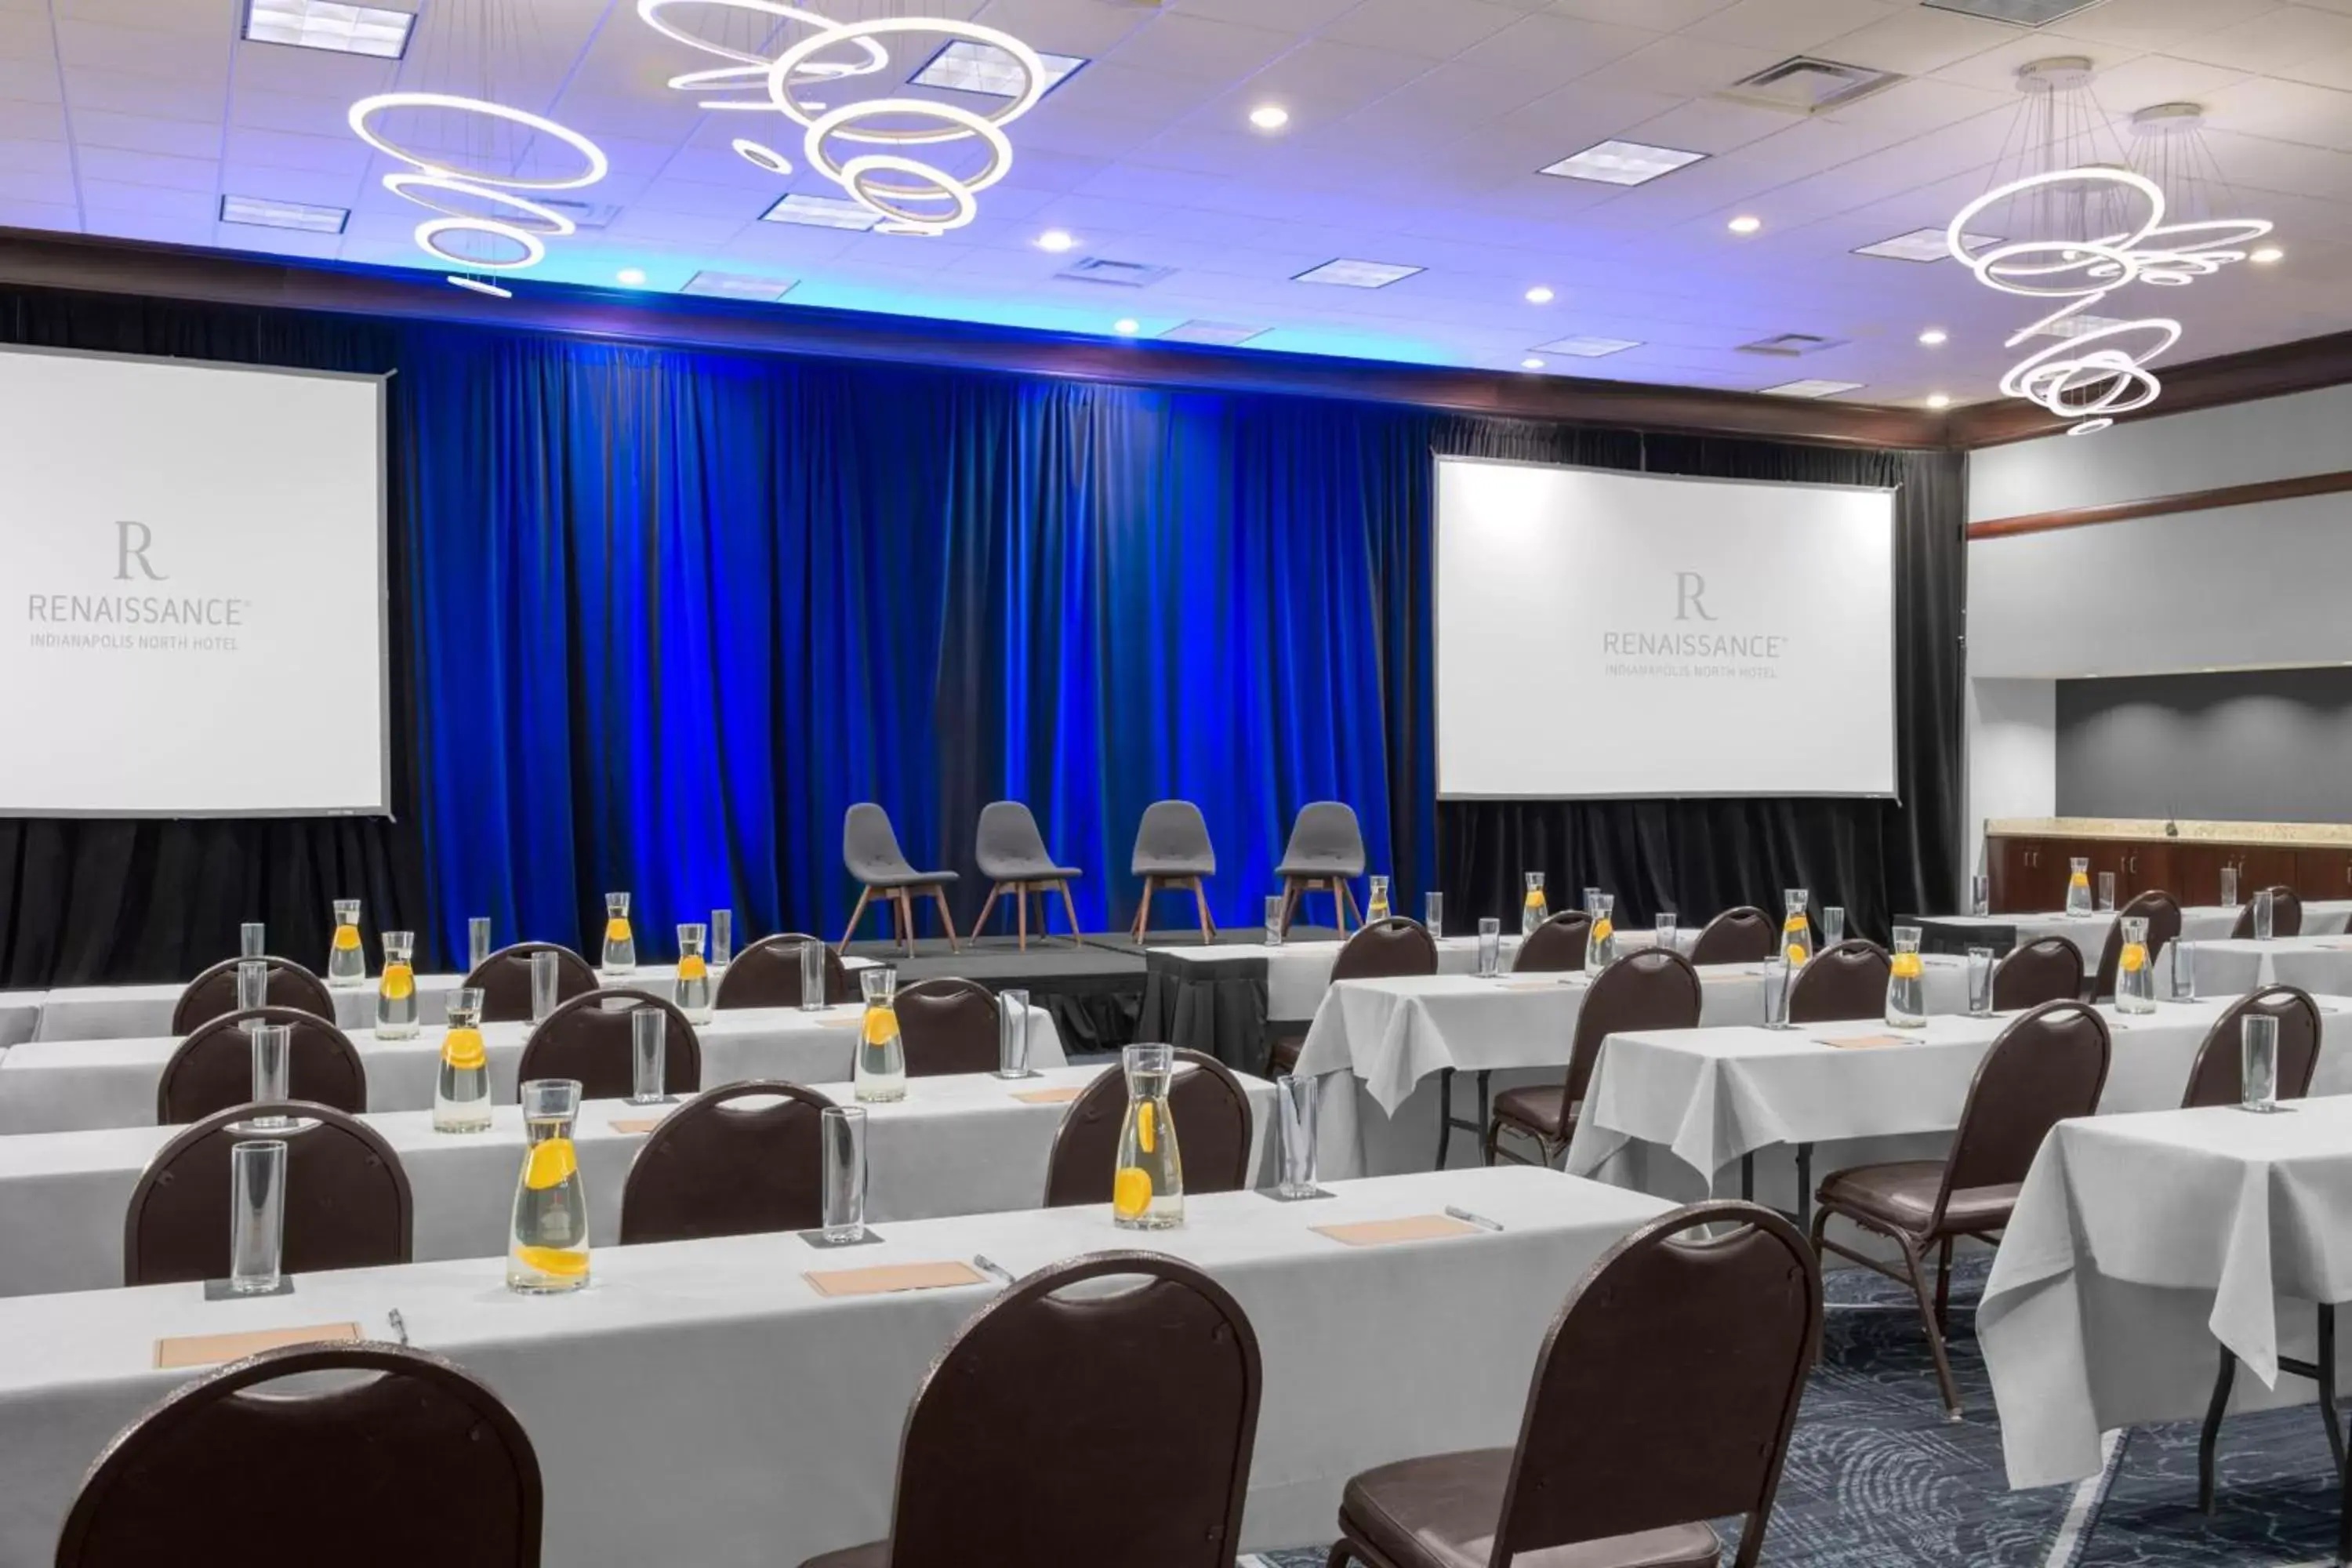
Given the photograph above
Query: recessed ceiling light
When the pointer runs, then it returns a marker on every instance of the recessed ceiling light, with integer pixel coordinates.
(759, 155)
(2265, 255)
(739, 286)
(1622, 163)
(1539, 295)
(262, 213)
(1587, 348)
(1922, 245)
(1934, 336)
(822, 212)
(1055, 239)
(481, 286)
(966, 64)
(1357, 274)
(632, 275)
(1939, 400)
(1531, 363)
(1269, 117)
(1813, 388)
(323, 25)
(1227, 334)
(1746, 223)
(1126, 326)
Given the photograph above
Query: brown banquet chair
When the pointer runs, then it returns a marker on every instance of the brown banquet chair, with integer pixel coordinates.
(1024, 1444)
(396, 1457)
(1386, 949)
(2287, 915)
(347, 1204)
(2162, 912)
(947, 1025)
(1663, 1397)
(718, 1167)
(1741, 934)
(1215, 1133)
(504, 980)
(2047, 969)
(587, 1039)
(2217, 1077)
(214, 992)
(1649, 988)
(767, 974)
(1555, 947)
(2043, 1068)
(212, 1068)
(1848, 981)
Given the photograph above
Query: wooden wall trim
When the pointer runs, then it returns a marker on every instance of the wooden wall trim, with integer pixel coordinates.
(49, 260)
(2160, 505)
(2272, 372)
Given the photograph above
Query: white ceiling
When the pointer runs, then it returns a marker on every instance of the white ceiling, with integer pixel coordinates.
(1416, 128)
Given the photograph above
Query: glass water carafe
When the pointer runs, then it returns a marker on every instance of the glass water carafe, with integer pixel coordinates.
(1147, 1190)
(346, 962)
(395, 989)
(1600, 932)
(461, 1092)
(693, 990)
(548, 1249)
(1907, 982)
(1533, 913)
(2078, 885)
(2134, 975)
(620, 941)
(1376, 904)
(880, 1073)
(1796, 926)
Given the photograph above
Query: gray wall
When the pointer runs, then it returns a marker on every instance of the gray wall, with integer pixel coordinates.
(2266, 745)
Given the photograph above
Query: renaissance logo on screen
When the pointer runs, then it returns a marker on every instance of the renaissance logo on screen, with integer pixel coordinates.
(1702, 654)
(166, 619)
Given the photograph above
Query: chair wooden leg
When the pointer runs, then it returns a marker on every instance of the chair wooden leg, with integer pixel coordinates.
(855, 915)
(947, 916)
(1289, 903)
(1021, 896)
(2209, 1436)
(981, 925)
(1142, 911)
(1069, 908)
(1201, 903)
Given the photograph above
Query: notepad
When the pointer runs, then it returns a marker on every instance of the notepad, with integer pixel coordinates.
(1381, 1231)
(886, 1279)
(635, 1124)
(1863, 1042)
(852, 1021)
(1048, 1096)
(209, 1350)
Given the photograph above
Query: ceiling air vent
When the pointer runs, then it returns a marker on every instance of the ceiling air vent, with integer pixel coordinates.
(1118, 274)
(2023, 12)
(1803, 85)
(1789, 345)
(583, 214)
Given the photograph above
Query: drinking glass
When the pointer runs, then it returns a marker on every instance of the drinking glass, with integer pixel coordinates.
(723, 939)
(2258, 1063)
(1433, 913)
(1490, 947)
(477, 941)
(692, 992)
(1274, 920)
(1600, 932)
(1294, 1102)
(1907, 982)
(346, 964)
(2265, 912)
(1533, 912)
(648, 1056)
(813, 993)
(1376, 903)
(543, 987)
(880, 1074)
(1667, 930)
(1833, 924)
(620, 939)
(395, 988)
(1979, 896)
(2183, 966)
(252, 940)
(461, 1092)
(1148, 1183)
(1796, 926)
(2106, 898)
(841, 1130)
(1777, 974)
(2134, 975)
(1980, 961)
(548, 1250)
(273, 1062)
(257, 1216)
(2078, 885)
(252, 984)
(1013, 1034)
(2229, 887)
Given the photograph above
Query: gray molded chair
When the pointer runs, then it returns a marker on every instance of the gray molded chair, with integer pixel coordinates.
(1325, 852)
(1172, 851)
(869, 848)
(1014, 857)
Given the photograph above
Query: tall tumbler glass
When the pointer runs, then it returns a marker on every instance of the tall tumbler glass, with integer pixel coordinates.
(2265, 914)
(252, 985)
(841, 1134)
(543, 987)
(1274, 920)
(273, 1061)
(648, 1056)
(1490, 947)
(256, 1216)
(2106, 893)
(723, 939)
(252, 940)
(813, 996)
(1980, 962)
(2229, 887)
(477, 941)
(1778, 973)
(1013, 1034)
(2258, 1063)
(1294, 1103)
(1833, 924)
(1668, 930)
(1433, 913)
(1979, 896)
(2183, 966)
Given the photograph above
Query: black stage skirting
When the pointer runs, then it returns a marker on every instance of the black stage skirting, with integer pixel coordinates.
(1936, 936)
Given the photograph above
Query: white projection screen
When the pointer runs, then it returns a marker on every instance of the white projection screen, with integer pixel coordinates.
(194, 569)
(1611, 633)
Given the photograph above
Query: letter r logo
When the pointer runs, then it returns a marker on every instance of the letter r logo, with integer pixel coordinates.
(1688, 586)
(131, 542)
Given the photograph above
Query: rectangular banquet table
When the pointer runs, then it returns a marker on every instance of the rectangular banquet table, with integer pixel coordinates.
(1380, 1045)
(2237, 965)
(1956, 934)
(955, 1145)
(1708, 1097)
(62, 1085)
(20, 1017)
(701, 1403)
(2138, 1242)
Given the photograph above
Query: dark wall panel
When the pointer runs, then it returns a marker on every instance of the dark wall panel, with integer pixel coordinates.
(2267, 745)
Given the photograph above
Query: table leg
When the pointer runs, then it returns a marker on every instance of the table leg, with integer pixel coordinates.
(2212, 1428)
(1444, 1115)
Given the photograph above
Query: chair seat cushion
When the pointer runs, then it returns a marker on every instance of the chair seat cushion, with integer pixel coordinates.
(1903, 1194)
(873, 1554)
(1028, 871)
(1176, 866)
(1320, 869)
(1441, 1512)
(1541, 1107)
(907, 879)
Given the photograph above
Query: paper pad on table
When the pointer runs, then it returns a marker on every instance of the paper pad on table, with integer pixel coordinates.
(852, 1021)
(883, 1279)
(1863, 1042)
(1380, 1232)
(209, 1350)
(1048, 1096)
(635, 1124)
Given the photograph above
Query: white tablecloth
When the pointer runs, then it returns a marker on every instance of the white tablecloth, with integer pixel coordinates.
(955, 1145)
(2199, 922)
(1298, 972)
(62, 1085)
(700, 1403)
(20, 1017)
(2236, 966)
(1710, 1096)
(2140, 1240)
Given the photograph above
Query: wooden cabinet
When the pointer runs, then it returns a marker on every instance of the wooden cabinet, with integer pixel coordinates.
(2028, 874)
(2324, 873)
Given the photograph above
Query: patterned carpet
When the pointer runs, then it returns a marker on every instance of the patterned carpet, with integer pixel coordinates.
(1878, 1479)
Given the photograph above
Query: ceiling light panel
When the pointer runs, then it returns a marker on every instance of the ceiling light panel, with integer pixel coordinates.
(262, 213)
(1587, 348)
(1921, 244)
(969, 66)
(1224, 334)
(2022, 13)
(1813, 388)
(324, 25)
(822, 212)
(1622, 163)
(739, 286)
(1345, 274)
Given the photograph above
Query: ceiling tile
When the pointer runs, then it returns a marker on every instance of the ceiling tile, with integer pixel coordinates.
(1786, 26)
(1416, 28)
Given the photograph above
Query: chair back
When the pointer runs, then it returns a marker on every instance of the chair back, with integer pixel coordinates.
(2162, 912)
(870, 844)
(1214, 1133)
(588, 1038)
(1025, 1436)
(947, 1025)
(1555, 947)
(717, 1167)
(1741, 934)
(1395, 946)
(2287, 915)
(2047, 969)
(1325, 840)
(1667, 1389)
(767, 974)
(1172, 839)
(504, 980)
(1007, 844)
(1649, 988)
(2218, 1075)
(396, 1457)
(1848, 981)
(2046, 1067)
(347, 1198)
(214, 992)
(212, 1068)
